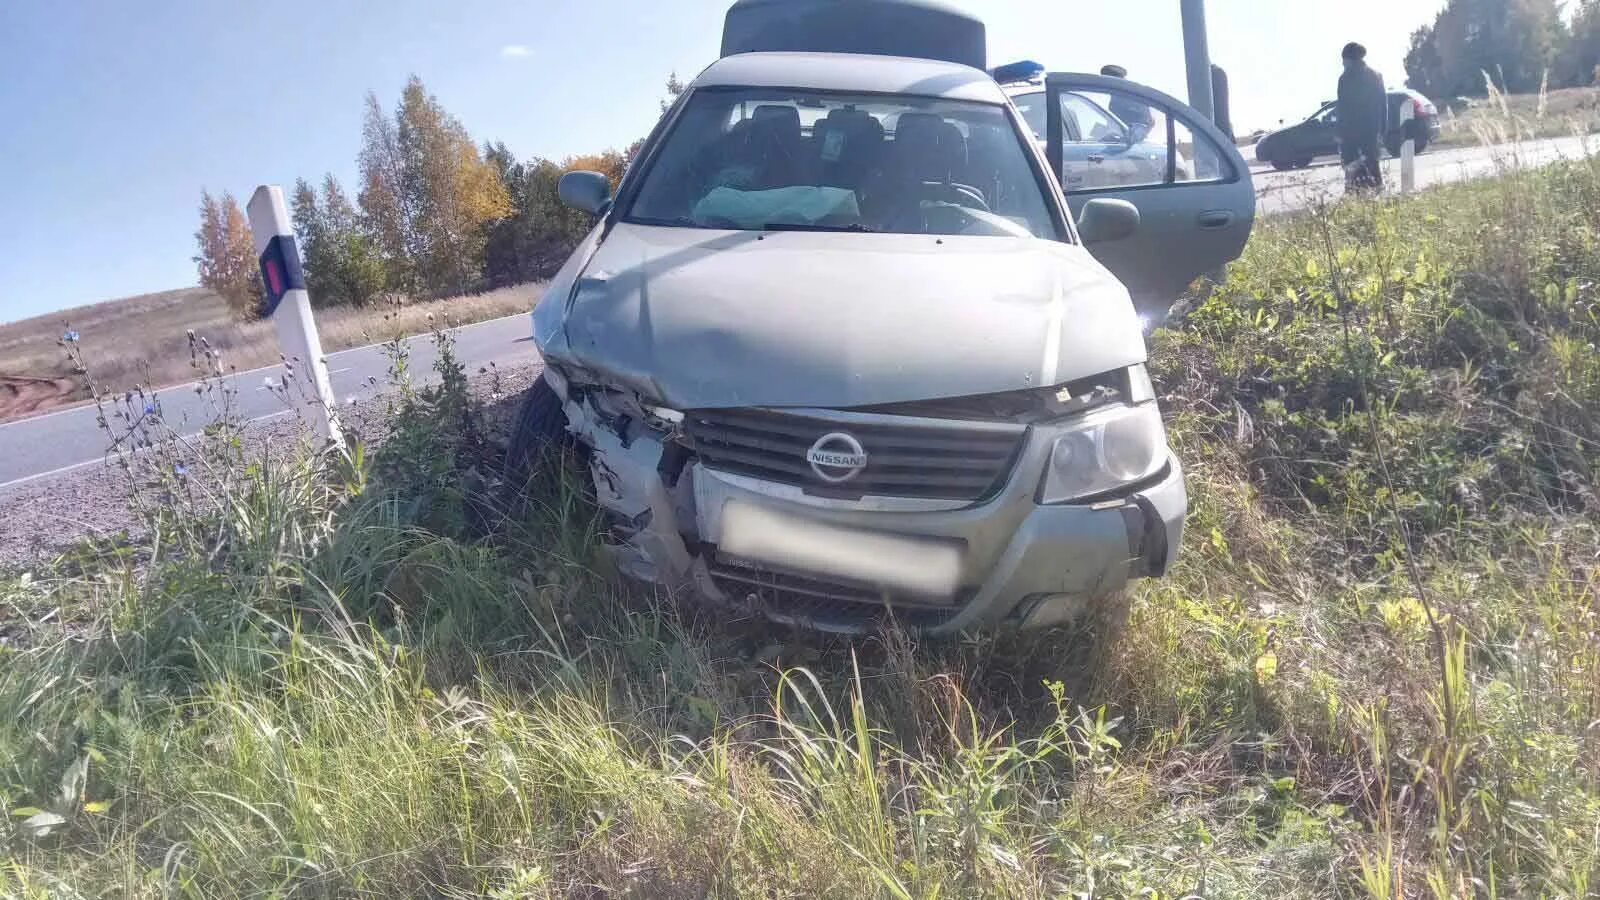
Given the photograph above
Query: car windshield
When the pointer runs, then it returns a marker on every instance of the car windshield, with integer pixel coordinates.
(781, 159)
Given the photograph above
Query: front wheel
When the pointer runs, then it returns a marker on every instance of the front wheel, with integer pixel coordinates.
(1283, 165)
(539, 429)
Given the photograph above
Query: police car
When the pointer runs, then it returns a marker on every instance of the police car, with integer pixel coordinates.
(1100, 149)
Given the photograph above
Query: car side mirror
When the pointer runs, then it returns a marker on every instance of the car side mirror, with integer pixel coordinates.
(586, 191)
(1105, 219)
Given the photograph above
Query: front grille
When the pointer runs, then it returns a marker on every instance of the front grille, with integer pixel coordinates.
(824, 603)
(905, 457)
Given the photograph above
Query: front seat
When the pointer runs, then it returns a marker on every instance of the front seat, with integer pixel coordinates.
(848, 147)
(773, 146)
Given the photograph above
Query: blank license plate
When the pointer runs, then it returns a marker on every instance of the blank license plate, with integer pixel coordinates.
(927, 567)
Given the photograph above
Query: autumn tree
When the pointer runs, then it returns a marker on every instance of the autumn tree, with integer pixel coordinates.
(505, 248)
(454, 193)
(385, 216)
(227, 259)
(342, 263)
(1515, 42)
(1582, 58)
(533, 244)
(428, 198)
(360, 275)
(675, 88)
(507, 168)
(311, 238)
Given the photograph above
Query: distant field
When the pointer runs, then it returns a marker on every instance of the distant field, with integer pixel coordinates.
(1522, 117)
(144, 339)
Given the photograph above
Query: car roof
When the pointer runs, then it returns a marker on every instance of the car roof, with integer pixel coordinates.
(852, 72)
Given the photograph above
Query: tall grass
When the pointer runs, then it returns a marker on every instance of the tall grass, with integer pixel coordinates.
(388, 674)
(1500, 117)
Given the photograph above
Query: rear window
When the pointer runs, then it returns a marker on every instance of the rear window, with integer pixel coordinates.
(755, 159)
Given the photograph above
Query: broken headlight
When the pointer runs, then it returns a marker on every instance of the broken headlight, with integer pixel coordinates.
(1106, 450)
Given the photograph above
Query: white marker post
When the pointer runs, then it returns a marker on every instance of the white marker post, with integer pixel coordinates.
(289, 306)
(1408, 148)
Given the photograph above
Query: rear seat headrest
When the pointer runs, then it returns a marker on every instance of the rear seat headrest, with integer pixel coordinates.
(914, 126)
(781, 119)
(934, 147)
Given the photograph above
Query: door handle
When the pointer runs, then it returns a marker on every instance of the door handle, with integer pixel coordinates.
(1097, 159)
(1216, 218)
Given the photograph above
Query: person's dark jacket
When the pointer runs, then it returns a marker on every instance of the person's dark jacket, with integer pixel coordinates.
(1363, 104)
(1132, 111)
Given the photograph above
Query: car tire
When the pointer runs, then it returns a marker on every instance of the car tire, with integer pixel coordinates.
(539, 430)
(1284, 165)
(1303, 163)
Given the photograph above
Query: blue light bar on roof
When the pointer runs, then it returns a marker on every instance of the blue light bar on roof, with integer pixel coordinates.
(1022, 70)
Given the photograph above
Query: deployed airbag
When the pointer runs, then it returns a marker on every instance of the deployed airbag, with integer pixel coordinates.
(798, 205)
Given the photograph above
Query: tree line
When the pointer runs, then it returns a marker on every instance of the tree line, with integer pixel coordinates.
(1523, 46)
(435, 215)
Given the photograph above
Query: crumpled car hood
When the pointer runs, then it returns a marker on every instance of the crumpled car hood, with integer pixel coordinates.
(697, 318)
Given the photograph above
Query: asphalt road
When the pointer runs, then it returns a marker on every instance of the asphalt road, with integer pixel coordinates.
(1282, 192)
(71, 438)
(56, 442)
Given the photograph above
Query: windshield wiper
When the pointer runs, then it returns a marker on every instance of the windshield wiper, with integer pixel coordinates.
(816, 226)
(666, 222)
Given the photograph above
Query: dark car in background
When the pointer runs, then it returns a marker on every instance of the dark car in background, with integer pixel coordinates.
(1296, 146)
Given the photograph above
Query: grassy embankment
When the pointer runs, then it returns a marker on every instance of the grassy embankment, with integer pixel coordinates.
(1501, 118)
(1375, 672)
(142, 340)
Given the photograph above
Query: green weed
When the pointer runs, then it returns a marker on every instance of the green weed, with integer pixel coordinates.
(1375, 670)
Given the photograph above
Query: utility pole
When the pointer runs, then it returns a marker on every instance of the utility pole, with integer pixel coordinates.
(1198, 55)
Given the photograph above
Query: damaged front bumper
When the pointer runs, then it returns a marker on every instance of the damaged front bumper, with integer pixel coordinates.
(841, 563)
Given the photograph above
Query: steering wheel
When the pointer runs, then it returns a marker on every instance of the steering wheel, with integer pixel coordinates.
(941, 199)
(962, 194)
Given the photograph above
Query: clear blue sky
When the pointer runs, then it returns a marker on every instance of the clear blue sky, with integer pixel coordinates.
(113, 115)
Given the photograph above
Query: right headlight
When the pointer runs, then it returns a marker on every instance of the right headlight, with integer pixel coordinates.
(1105, 450)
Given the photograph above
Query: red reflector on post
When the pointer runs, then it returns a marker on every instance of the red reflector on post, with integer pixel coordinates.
(274, 275)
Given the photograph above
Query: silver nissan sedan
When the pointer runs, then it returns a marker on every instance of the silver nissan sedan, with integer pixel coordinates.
(840, 350)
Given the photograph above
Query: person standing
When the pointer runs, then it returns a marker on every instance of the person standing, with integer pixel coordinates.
(1135, 114)
(1363, 113)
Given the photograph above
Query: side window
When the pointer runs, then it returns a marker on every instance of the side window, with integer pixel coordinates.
(1124, 141)
(1094, 124)
(1197, 159)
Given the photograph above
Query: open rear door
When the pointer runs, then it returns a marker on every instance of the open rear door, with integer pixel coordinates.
(1109, 137)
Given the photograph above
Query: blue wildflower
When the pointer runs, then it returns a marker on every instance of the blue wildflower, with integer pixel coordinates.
(149, 409)
(70, 337)
(180, 470)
